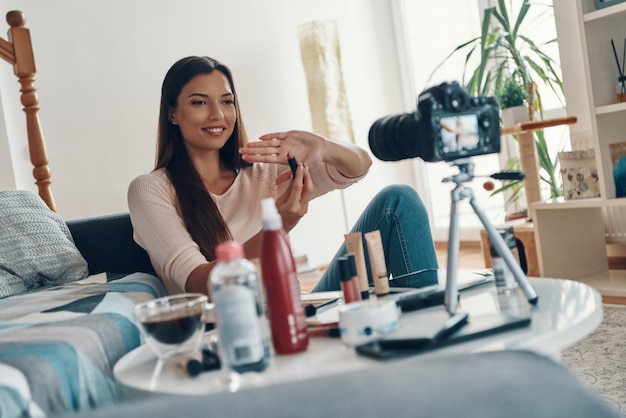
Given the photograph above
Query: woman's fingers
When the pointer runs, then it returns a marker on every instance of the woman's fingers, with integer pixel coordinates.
(293, 204)
(264, 152)
(274, 147)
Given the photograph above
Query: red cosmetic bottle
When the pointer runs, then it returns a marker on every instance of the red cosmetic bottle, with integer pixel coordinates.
(282, 290)
(349, 279)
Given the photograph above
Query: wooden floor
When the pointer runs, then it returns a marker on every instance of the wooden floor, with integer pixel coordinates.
(470, 255)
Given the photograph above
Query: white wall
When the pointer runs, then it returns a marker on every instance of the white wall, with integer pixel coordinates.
(100, 66)
(7, 180)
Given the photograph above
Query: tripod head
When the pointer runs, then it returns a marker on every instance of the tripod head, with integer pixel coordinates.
(466, 173)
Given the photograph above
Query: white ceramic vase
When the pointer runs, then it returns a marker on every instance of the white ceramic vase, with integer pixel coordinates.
(514, 115)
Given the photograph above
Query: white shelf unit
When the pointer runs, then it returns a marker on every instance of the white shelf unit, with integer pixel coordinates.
(597, 28)
(571, 236)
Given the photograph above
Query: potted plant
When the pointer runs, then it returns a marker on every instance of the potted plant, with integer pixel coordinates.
(512, 93)
(512, 100)
(504, 51)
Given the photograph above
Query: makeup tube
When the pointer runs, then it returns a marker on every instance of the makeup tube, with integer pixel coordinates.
(191, 364)
(377, 262)
(348, 279)
(354, 245)
(323, 331)
(196, 363)
(293, 164)
(355, 277)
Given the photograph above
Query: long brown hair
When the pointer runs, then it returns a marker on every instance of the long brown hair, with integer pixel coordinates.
(197, 207)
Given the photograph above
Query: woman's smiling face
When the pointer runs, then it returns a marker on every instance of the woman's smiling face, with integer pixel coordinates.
(205, 112)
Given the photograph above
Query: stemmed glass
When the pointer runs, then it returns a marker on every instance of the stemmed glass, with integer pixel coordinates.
(172, 326)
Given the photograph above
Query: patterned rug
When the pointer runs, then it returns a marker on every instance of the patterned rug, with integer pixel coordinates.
(600, 359)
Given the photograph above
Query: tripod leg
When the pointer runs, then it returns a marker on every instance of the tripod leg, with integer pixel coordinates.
(452, 294)
(505, 253)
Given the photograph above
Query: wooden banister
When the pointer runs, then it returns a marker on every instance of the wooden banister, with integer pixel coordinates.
(18, 51)
(533, 125)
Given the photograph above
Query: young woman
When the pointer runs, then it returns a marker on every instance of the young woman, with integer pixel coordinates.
(209, 181)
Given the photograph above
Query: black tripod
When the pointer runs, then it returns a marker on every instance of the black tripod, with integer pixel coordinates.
(460, 192)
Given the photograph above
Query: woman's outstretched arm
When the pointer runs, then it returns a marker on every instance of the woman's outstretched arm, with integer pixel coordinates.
(349, 159)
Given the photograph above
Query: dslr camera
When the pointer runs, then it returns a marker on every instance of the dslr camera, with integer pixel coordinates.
(449, 124)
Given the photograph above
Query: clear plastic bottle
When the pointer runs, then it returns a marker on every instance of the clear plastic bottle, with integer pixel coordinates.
(282, 290)
(505, 280)
(238, 297)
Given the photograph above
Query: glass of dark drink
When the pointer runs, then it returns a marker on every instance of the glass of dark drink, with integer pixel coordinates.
(173, 325)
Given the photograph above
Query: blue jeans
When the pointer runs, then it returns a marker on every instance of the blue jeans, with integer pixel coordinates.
(399, 214)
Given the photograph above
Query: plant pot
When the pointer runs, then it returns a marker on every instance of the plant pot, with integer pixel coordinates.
(514, 115)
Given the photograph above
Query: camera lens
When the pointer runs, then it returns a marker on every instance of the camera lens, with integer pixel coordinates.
(393, 138)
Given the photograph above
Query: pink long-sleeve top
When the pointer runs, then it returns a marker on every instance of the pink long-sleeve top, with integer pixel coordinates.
(160, 230)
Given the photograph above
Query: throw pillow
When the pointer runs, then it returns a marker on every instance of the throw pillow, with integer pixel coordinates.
(36, 247)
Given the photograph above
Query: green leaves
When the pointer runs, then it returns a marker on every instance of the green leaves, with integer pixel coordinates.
(547, 164)
(512, 93)
(505, 51)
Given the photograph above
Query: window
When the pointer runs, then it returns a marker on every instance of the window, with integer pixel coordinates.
(427, 32)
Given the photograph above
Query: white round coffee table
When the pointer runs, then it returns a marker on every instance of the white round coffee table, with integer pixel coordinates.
(567, 311)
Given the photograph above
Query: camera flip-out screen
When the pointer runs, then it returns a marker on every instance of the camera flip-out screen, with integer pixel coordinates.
(459, 132)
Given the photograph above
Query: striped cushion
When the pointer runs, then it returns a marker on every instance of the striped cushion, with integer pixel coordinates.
(36, 247)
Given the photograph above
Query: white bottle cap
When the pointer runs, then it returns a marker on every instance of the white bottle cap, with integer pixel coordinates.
(271, 219)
